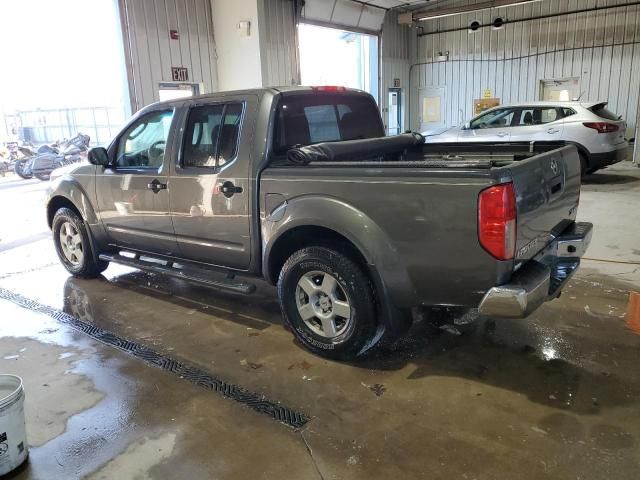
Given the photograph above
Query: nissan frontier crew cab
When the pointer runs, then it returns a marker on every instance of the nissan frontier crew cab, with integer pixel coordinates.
(299, 186)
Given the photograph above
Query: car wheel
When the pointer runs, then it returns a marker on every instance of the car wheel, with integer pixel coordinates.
(584, 165)
(43, 177)
(73, 245)
(328, 301)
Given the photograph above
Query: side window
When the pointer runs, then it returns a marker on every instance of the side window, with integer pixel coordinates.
(495, 119)
(143, 144)
(525, 117)
(211, 138)
(567, 112)
(546, 115)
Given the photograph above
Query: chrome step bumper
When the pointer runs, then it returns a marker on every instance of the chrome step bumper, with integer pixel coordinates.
(540, 279)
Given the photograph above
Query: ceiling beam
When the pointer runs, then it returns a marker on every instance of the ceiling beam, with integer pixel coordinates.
(448, 12)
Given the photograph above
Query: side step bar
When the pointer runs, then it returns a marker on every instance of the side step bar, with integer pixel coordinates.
(207, 277)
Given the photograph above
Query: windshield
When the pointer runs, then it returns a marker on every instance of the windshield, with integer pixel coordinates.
(313, 118)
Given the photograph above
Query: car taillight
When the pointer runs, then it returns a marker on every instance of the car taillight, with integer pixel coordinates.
(329, 88)
(602, 127)
(497, 221)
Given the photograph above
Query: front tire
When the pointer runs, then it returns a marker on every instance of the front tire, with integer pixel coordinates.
(73, 245)
(328, 301)
(43, 177)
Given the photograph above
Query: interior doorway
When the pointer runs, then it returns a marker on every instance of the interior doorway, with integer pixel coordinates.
(560, 89)
(394, 114)
(330, 56)
(174, 90)
(431, 109)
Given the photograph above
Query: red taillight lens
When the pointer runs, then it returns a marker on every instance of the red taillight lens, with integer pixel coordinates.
(497, 221)
(329, 88)
(602, 127)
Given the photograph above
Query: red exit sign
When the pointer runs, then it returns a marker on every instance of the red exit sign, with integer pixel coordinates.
(179, 74)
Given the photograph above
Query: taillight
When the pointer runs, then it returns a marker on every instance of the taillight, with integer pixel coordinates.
(329, 88)
(497, 221)
(602, 127)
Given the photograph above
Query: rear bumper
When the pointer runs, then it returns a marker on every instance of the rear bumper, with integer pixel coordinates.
(540, 279)
(599, 160)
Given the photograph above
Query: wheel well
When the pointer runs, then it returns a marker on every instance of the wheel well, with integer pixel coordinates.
(301, 237)
(55, 204)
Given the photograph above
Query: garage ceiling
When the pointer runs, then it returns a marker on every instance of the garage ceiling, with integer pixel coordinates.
(359, 15)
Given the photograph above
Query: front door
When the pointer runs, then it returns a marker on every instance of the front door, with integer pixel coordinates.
(210, 187)
(133, 193)
(492, 126)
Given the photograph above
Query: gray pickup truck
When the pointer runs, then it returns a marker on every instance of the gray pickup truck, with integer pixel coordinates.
(299, 186)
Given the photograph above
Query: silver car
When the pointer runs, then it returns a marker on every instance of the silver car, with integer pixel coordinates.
(597, 132)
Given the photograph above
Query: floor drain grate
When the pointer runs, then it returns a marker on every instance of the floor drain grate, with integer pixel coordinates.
(191, 373)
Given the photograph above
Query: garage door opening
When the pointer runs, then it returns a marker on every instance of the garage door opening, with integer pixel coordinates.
(330, 56)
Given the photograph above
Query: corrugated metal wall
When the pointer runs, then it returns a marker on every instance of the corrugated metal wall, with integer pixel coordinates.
(601, 48)
(278, 46)
(151, 53)
(396, 58)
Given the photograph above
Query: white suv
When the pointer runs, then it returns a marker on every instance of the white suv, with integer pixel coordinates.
(597, 132)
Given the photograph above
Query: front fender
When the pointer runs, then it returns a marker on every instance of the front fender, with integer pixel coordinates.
(74, 191)
(346, 220)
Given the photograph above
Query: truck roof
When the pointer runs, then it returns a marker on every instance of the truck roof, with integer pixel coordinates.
(262, 91)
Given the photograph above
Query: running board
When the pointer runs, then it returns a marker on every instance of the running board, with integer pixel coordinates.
(201, 276)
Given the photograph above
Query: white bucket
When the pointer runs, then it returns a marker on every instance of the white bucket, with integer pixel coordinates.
(13, 435)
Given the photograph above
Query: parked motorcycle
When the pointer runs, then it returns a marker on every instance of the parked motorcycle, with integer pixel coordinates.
(67, 152)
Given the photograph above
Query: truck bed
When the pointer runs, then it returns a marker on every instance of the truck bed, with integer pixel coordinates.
(424, 205)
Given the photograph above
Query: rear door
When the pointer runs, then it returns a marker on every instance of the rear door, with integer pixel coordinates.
(210, 185)
(537, 124)
(493, 126)
(133, 192)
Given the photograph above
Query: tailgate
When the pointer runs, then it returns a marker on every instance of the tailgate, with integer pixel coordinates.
(547, 194)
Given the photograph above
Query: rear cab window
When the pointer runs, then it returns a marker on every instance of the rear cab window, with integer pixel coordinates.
(602, 111)
(306, 119)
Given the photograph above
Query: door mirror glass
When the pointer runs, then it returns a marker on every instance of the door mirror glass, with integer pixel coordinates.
(98, 156)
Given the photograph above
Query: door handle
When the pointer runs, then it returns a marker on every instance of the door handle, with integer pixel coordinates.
(155, 186)
(553, 130)
(228, 189)
(502, 134)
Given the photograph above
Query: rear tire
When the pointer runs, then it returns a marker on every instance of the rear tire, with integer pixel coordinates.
(73, 245)
(43, 177)
(328, 301)
(584, 165)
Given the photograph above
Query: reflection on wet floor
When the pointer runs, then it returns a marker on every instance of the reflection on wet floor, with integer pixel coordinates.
(555, 396)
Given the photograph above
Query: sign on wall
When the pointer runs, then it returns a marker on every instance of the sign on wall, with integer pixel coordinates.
(179, 74)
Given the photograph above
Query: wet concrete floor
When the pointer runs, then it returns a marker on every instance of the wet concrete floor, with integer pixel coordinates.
(554, 397)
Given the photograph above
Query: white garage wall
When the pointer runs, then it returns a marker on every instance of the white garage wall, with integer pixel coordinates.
(151, 53)
(396, 58)
(278, 45)
(601, 48)
(238, 56)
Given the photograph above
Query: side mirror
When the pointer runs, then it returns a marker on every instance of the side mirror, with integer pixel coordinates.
(467, 126)
(98, 156)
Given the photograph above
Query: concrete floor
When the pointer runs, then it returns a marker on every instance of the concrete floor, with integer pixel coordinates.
(553, 397)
